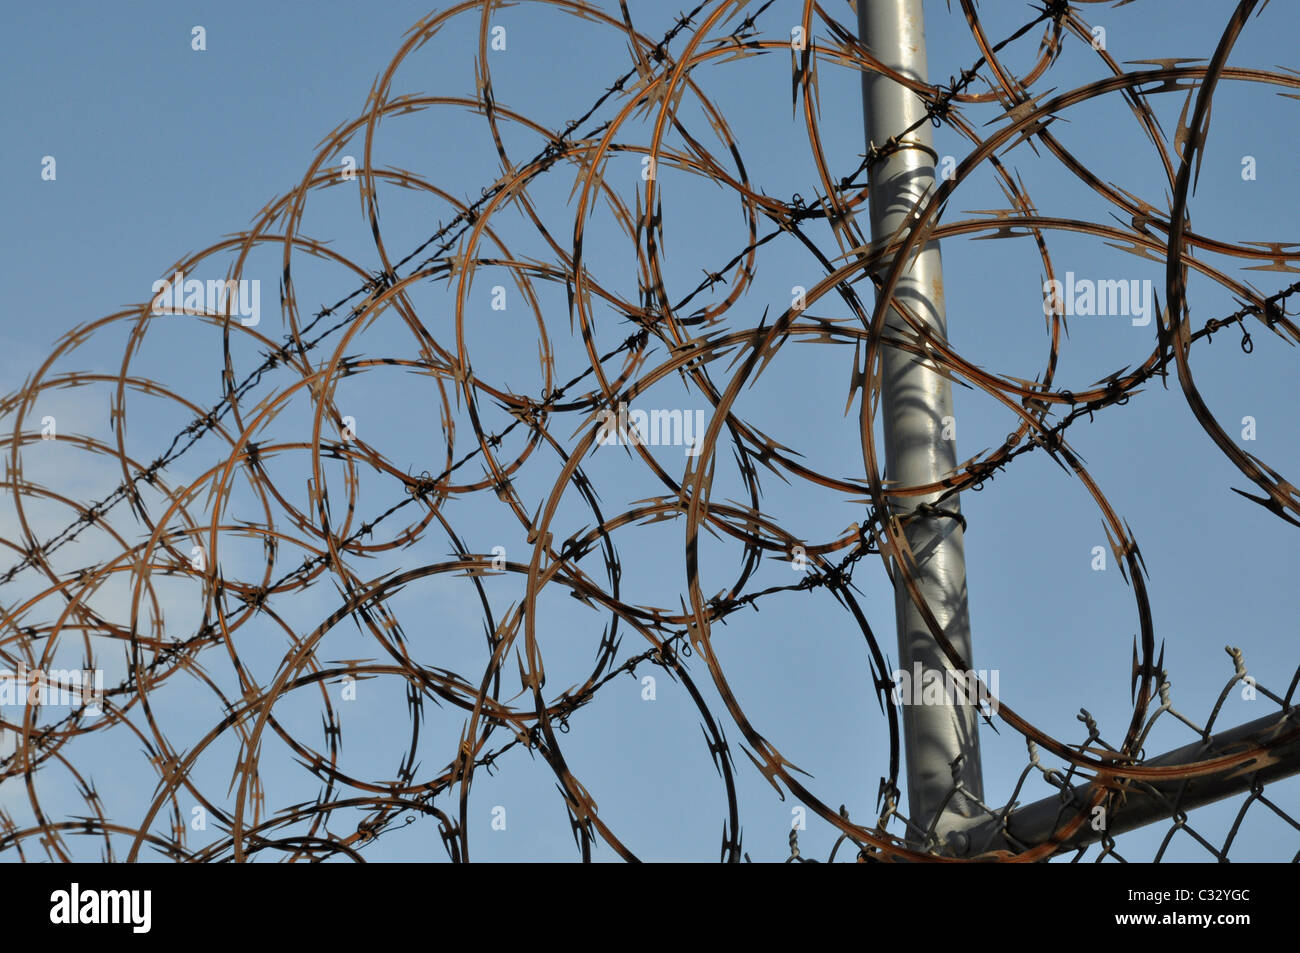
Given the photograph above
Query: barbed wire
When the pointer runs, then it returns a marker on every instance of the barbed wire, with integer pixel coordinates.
(651, 112)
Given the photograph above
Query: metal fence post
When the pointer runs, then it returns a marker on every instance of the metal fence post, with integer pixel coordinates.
(915, 403)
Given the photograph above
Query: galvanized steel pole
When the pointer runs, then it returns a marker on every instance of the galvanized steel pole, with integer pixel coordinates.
(915, 403)
(1275, 739)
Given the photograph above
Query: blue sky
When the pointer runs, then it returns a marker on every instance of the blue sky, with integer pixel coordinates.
(161, 150)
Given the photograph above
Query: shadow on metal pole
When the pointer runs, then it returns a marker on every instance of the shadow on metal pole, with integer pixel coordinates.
(917, 410)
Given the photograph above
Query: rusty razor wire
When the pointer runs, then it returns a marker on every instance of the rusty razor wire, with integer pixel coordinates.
(302, 553)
